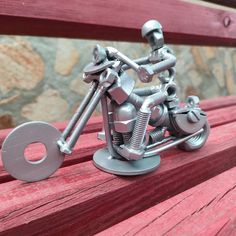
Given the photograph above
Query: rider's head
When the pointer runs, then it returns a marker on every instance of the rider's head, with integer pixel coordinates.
(152, 31)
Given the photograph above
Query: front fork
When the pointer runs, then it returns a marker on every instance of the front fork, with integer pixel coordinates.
(68, 138)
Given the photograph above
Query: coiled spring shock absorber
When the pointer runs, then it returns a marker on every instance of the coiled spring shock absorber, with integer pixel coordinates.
(126, 137)
(139, 130)
(143, 117)
(117, 138)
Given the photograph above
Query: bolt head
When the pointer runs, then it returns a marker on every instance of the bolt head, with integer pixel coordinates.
(194, 116)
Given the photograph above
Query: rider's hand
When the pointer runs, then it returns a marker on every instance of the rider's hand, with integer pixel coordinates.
(111, 52)
(145, 73)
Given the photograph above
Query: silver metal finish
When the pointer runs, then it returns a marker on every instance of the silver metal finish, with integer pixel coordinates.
(105, 81)
(95, 100)
(122, 88)
(113, 52)
(172, 144)
(165, 140)
(132, 149)
(136, 100)
(135, 150)
(146, 91)
(103, 160)
(124, 117)
(107, 128)
(150, 26)
(152, 31)
(14, 146)
(197, 141)
(79, 111)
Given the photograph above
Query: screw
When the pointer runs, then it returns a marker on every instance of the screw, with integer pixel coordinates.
(194, 116)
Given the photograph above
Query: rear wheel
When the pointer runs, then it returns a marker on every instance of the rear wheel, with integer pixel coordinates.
(197, 141)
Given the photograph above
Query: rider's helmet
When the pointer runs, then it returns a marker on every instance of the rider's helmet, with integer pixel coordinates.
(152, 31)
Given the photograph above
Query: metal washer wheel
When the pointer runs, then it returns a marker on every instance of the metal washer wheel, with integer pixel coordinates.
(103, 160)
(14, 145)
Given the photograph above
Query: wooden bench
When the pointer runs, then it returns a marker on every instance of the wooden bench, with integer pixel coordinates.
(79, 199)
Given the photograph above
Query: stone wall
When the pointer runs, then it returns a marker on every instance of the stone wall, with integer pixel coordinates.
(40, 78)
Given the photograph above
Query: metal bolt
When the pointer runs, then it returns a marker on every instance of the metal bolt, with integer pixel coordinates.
(194, 116)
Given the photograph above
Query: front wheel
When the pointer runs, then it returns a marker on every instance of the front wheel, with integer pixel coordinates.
(197, 141)
(13, 151)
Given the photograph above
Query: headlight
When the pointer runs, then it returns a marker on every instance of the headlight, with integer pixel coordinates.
(99, 54)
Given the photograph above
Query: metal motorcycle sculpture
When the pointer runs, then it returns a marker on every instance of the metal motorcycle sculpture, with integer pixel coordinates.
(138, 123)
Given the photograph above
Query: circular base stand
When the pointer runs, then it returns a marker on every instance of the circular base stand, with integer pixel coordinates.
(103, 160)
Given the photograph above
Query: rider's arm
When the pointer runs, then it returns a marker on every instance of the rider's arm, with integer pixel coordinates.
(139, 61)
(114, 53)
(169, 60)
(145, 72)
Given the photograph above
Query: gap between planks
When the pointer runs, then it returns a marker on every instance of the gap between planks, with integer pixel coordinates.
(206, 209)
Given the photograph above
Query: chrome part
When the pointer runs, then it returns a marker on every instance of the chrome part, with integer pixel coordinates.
(159, 116)
(13, 148)
(124, 117)
(105, 81)
(165, 140)
(64, 148)
(197, 141)
(176, 142)
(152, 31)
(131, 148)
(106, 126)
(127, 137)
(157, 134)
(136, 100)
(117, 138)
(79, 112)
(103, 160)
(121, 88)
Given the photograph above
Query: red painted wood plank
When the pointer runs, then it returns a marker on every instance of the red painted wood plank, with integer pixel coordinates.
(84, 150)
(83, 200)
(94, 125)
(228, 3)
(206, 209)
(221, 116)
(118, 20)
(218, 102)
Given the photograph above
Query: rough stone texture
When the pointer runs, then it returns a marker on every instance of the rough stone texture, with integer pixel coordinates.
(77, 85)
(9, 100)
(41, 78)
(218, 73)
(20, 68)
(48, 106)
(66, 57)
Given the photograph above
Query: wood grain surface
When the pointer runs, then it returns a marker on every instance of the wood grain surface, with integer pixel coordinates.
(206, 209)
(83, 200)
(183, 21)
